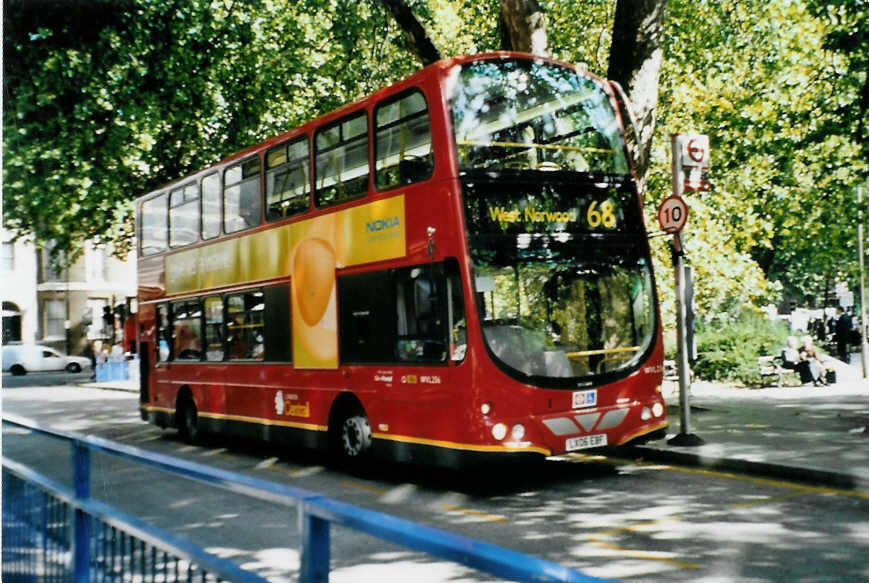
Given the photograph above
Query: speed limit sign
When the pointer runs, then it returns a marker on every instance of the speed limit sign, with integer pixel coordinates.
(672, 214)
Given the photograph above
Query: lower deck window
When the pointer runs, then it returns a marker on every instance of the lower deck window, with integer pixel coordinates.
(401, 315)
(252, 325)
(187, 330)
(244, 326)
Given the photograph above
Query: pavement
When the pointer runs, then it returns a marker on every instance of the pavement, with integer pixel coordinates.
(818, 435)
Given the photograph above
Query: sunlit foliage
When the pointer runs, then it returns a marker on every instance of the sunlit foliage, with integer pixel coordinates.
(105, 100)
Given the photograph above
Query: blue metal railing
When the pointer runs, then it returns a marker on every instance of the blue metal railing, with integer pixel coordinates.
(52, 532)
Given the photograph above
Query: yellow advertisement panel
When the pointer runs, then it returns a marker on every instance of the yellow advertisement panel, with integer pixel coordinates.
(371, 232)
(309, 252)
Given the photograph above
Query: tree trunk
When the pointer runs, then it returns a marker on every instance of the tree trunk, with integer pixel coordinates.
(635, 63)
(523, 27)
(417, 38)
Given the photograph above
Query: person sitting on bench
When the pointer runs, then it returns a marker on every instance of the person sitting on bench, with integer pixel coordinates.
(792, 360)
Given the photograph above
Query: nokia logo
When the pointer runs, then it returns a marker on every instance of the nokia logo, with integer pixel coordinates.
(382, 224)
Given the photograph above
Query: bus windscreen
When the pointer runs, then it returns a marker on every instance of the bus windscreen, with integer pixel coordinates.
(516, 114)
(555, 232)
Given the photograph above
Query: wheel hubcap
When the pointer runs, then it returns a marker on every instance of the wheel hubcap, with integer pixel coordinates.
(356, 435)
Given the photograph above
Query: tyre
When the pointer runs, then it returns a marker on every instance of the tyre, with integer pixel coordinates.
(355, 436)
(73, 367)
(187, 420)
(18, 370)
(349, 434)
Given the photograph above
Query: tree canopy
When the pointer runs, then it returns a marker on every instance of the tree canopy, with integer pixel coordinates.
(106, 100)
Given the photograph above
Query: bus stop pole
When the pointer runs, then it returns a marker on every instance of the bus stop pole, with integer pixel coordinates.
(682, 344)
(864, 349)
(685, 437)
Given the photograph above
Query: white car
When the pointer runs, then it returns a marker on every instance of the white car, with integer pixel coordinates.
(21, 359)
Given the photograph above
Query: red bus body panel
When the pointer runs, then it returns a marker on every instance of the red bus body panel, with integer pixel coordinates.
(429, 413)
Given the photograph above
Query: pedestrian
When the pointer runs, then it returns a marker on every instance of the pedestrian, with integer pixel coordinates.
(792, 359)
(809, 355)
(843, 334)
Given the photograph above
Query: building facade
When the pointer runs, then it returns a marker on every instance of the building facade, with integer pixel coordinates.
(65, 308)
(18, 285)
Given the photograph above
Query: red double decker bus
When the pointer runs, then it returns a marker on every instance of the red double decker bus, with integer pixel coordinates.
(450, 270)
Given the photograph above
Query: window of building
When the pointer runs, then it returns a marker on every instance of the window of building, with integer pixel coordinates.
(54, 318)
(241, 196)
(342, 161)
(287, 181)
(184, 215)
(244, 326)
(187, 330)
(51, 267)
(11, 323)
(95, 263)
(403, 141)
(154, 227)
(211, 206)
(7, 257)
(92, 316)
(213, 328)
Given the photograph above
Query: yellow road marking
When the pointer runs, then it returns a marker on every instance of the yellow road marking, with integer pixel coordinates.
(477, 514)
(649, 556)
(450, 508)
(770, 499)
(266, 463)
(644, 555)
(759, 481)
(803, 488)
(364, 487)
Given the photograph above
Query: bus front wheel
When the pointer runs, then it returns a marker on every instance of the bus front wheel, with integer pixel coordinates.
(355, 436)
(349, 432)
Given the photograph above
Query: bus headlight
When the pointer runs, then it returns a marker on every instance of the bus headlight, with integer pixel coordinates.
(486, 408)
(657, 409)
(645, 414)
(518, 432)
(499, 431)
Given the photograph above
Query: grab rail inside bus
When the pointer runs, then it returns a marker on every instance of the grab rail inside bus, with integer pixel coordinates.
(316, 514)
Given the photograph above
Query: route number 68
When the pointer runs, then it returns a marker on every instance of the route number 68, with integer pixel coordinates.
(601, 215)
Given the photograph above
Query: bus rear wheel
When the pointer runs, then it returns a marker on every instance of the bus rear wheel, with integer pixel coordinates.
(187, 419)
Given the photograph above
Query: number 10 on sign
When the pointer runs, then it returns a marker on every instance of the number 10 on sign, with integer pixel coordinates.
(672, 214)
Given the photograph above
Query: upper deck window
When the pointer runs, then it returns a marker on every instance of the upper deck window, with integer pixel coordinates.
(533, 115)
(287, 181)
(342, 161)
(403, 140)
(155, 224)
(241, 196)
(184, 215)
(211, 206)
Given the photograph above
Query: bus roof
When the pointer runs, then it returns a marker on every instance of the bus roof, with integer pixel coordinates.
(434, 71)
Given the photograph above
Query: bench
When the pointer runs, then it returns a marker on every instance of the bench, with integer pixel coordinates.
(769, 367)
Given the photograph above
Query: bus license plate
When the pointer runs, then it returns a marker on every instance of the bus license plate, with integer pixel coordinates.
(585, 441)
(584, 398)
